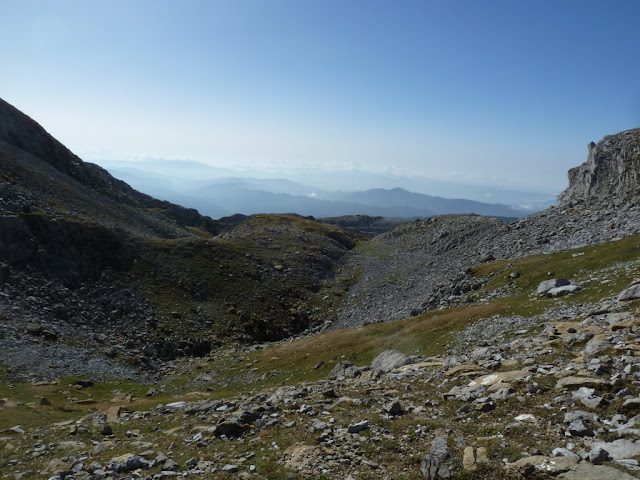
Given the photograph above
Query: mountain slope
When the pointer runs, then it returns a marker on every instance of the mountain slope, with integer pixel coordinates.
(38, 172)
(125, 280)
(423, 265)
(227, 196)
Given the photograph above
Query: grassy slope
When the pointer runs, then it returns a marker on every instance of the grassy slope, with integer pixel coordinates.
(239, 371)
(262, 281)
(426, 333)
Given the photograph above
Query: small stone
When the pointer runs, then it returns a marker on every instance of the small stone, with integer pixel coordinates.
(578, 428)
(468, 459)
(393, 408)
(526, 417)
(152, 392)
(358, 427)
(598, 455)
(485, 404)
(370, 463)
(630, 405)
(481, 456)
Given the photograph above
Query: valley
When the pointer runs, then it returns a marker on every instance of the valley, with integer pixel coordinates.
(141, 339)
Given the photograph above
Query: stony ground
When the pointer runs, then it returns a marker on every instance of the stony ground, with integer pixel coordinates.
(417, 266)
(559, 398)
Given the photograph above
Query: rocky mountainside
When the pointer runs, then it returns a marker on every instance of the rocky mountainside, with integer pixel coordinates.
(120, 280)
(556, 398)
(139, 339)
(39, 174)
(611, 174)
(424, 265)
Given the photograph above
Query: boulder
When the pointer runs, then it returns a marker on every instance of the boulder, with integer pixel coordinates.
(580, 428)
(580, 415)
(630, 293)
(587, 471)
(501, 377)
(562, 291)
(434, 465)
(568, 382)
(344, 369)
(631, 405)
(598, 456)
(541, 467)
(618, 449)
(358, 427)
(393, 408)
(129, 463)
(464, 393)
(547, 285)
(468, 459)
(389, 360)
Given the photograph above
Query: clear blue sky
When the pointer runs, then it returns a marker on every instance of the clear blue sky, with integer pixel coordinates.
(495, 92)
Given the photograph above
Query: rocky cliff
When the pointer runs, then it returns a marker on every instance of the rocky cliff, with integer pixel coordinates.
(38, 173)
(611, 173)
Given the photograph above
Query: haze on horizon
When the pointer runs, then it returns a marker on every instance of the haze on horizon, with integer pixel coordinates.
(504, 94)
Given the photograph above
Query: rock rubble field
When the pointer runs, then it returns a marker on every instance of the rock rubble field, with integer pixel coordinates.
(559, 400)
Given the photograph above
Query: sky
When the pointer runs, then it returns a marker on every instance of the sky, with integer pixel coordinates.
(504, 93)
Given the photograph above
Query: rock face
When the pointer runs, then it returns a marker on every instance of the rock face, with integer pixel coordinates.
(611, 172)
(39, 172)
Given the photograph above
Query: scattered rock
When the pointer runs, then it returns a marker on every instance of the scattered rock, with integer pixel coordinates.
(393, 408)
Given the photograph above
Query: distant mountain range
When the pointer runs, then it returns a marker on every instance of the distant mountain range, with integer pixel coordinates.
(224, 196)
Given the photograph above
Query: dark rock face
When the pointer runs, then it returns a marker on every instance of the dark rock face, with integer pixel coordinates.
(611, 174)
(34, 165)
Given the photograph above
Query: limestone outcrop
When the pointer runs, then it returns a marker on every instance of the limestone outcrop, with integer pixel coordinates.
(611, 173)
